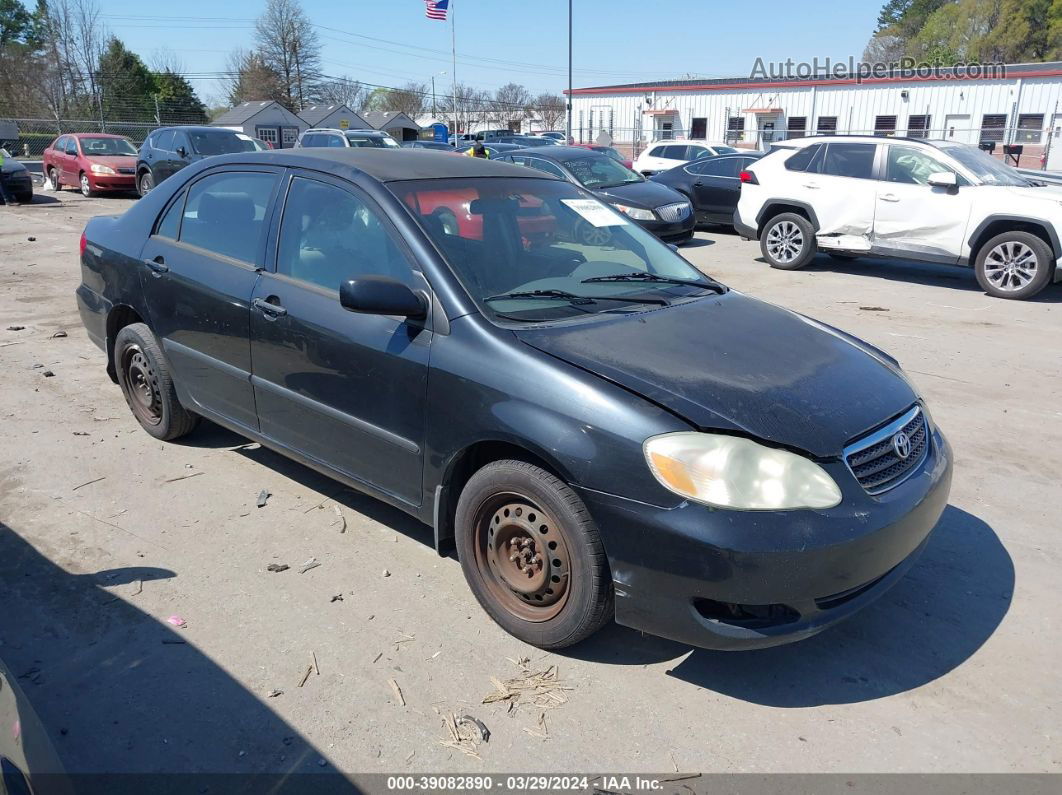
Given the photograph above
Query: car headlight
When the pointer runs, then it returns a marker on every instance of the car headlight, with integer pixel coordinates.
(637, 213)
(98, 169)
(732, 472)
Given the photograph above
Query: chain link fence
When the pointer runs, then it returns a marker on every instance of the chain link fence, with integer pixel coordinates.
(34, 135)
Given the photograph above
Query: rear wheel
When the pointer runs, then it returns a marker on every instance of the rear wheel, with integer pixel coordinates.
(144, 183)
(532, 555)
(787, 241)
(53, 179)
(1015, 265)
(86, 187)
(144, 375)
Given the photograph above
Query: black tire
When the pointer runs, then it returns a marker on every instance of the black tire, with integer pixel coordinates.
(1014, 265)
(53, 178)
(792, 238)
(24, 198)
(84, 186)
(144, 375)
(575, 598)
(144, 183)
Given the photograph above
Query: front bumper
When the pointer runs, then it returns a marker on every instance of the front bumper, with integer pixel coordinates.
(676, 232)
(731, 580)
(20, 184)
(105, 182)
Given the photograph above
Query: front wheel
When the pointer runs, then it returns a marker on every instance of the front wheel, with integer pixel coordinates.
(787, 241)
(145, 183)
(86, 187)
(1015, 265)
(532, 555)
(144, 375)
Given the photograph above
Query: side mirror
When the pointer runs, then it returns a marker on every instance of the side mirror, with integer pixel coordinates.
(381, 295)
(943, 179)
(182, 151)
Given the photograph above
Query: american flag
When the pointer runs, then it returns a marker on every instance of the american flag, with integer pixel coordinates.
(436, 9)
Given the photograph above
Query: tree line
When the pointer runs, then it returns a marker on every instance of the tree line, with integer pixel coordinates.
(285, 65)
(948, 32)
(59, 61)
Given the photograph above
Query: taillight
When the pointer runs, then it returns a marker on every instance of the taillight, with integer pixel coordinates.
(83, 244)
(749, 178)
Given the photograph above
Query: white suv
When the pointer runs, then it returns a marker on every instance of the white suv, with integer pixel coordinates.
(665, 155)
(934, 201)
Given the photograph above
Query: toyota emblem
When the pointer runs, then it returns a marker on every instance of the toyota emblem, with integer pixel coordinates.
(901, 444)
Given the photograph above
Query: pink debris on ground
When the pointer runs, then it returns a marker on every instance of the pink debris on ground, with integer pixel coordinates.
(177, 621)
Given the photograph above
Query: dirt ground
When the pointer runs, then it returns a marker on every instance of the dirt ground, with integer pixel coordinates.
(107, 533)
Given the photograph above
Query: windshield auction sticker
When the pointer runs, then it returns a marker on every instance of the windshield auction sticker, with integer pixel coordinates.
(595, 212)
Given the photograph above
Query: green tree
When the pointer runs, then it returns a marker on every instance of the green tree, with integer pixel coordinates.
(126, 85)
(177, 100)
(16, 23)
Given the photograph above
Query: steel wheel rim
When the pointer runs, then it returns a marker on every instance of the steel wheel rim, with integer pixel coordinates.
(1011, 266)
(86, 189)
(595, 235)
(141, 386)
(785, 241)
(522, 557)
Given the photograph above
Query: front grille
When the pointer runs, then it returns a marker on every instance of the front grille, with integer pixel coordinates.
(127, 171)
(874, 459)
(673, 212)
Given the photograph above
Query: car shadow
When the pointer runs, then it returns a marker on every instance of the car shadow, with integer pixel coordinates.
(696, 242)
(948, 276)
(936, 618)
(119, 691)
(40, 200)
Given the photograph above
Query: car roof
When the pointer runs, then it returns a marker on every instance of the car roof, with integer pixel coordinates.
(94, 135)
(195, 127)
(562, 152)
(800, 143)
(385, 165)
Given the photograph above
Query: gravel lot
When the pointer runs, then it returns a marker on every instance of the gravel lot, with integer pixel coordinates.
(106, 533)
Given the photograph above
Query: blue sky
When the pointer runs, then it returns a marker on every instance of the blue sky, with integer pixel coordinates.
(390, 42)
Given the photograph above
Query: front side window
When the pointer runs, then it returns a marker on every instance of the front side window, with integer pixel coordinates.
(913, 166)
(519, 235)
(329, 235)
(849, 160)
(225, 213)
(694, 152)
(71, 146)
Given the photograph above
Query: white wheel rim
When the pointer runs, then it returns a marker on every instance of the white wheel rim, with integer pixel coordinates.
(785, 241)
(53, 180)
(1011, 266)
(85, 187)
(595, 235)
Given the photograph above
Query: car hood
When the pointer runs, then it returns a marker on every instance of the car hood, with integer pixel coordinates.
(734, 363)
(12, 166)
(640, 194)
(116, 162)
(1050, 193)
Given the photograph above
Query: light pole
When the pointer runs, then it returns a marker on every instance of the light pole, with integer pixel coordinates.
(569, 130)
(437, 74)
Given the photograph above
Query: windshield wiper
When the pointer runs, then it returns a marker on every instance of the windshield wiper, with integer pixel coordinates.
(644, 276)
(572, 297)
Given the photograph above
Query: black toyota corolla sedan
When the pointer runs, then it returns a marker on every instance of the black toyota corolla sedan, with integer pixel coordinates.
(602, 430)
(658, 208)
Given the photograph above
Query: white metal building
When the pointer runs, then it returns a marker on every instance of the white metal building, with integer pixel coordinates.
(1019, 104)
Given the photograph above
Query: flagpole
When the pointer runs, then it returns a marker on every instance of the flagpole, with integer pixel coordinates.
(453, 66)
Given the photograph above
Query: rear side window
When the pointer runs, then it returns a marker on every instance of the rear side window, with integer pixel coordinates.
(803, 158)
(544, 165)
(722, 167)
(171, 221)
(164, 141)
(225, 213)
(59, 144)
(849, 160)
(329, 235)
(673, 152)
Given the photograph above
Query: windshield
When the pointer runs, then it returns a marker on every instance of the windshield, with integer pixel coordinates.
(378, 141)
(206, 142)
(608, 151)
(601, 171)
(104, 147)
(502, 236)
(985, 167)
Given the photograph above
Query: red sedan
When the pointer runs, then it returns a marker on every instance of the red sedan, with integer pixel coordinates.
(92, 162)
(608, 150)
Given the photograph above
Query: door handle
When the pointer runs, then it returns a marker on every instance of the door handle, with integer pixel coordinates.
(889, 197)
(811, 185)
(698, 184)
(268, 308)
(158, 265)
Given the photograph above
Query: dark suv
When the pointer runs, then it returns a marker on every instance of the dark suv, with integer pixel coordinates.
(169, 149)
